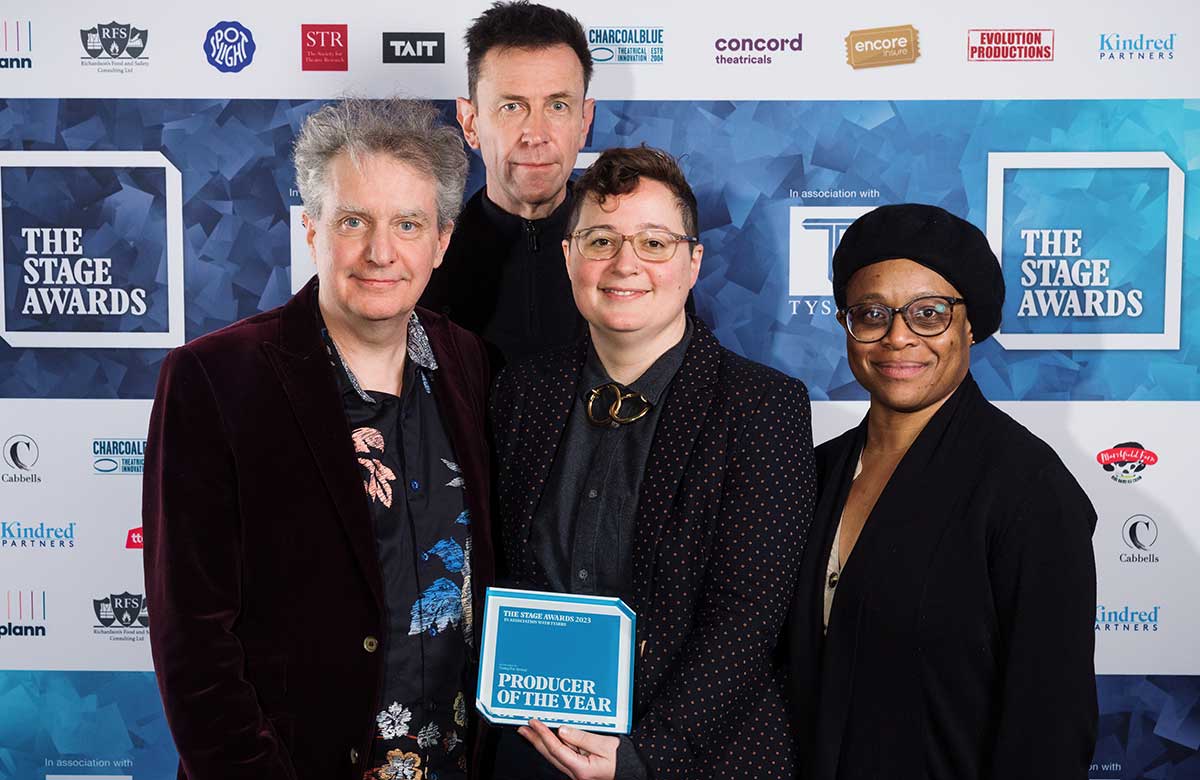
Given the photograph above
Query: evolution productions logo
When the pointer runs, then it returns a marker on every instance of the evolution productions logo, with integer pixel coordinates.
(118, 456)
(25, 614)
(626, 45)
(1125, 462)
(114, 48)
(80, 269)
(20, 455)
(1010, 45)
(1080, 275)
(121, 617)
(229, 47)
(1139, 533)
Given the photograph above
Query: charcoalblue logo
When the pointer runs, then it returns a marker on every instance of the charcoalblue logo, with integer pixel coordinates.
(80, 270)
(21, 454)
(114, 48)
(626, 45)
(1082, 276)
(27, 536)
(25, 614)
(1125, 462)
(118, 456)
(121, 617)
(1137, 48)
(1139, 533)
(229, 46)
(814, 234)
(1127, 619)
(18, 43)
(755, 51)
(414, 47)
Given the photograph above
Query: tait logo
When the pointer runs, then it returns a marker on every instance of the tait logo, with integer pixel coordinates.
(411, 47)
(324, 46)
(229, 47)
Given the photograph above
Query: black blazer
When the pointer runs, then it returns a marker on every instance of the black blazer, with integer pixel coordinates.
(262, 574)
(961, 637)
(722, 518)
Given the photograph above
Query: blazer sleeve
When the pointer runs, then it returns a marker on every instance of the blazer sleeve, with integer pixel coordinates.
(1044, 585)
(762, 522)
(192, 559)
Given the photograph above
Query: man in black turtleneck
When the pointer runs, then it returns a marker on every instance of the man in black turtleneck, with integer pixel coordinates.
(503, 277)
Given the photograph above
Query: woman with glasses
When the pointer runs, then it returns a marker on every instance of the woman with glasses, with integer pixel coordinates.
(942, 626)
(649, 462)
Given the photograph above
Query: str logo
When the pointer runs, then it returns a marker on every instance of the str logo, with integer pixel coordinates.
(814, 234)
(113, 40)
(17, 39)
(413, 47)
(229, 47)
(28, 608)
(1125, 462)
(324, 46)
(133, 539)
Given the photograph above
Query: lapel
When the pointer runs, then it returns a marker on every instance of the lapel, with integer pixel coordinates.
(300, 361)
(686, 407)
(892, 554)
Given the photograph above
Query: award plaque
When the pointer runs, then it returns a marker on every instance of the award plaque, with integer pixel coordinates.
(560, 658)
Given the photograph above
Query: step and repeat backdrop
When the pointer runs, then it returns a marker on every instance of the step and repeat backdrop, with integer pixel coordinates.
(147, 198)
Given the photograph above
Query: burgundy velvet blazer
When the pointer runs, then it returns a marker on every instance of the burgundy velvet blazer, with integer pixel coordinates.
(261, 570)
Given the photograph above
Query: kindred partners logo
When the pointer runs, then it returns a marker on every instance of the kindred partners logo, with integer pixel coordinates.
(121, 617)
(1139, 48)
(20, 455)
(324, 47)
(880, 46)
(114, 48)
(414, 48)
(755, 51)
(118, 456)
(1125, 462)
(229, 46)
(626, 45)
(1010, 45)
(1139, 533)
(15, 534)
(25, 614)
(1127, 619)
(17, 44)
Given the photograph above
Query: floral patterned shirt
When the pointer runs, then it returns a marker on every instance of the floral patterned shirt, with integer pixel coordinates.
(422, 529)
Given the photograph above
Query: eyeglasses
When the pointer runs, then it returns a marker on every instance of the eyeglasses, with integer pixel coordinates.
(929, 315)
(653, 246)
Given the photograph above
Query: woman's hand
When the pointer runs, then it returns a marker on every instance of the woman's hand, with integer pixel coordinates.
(581, 755)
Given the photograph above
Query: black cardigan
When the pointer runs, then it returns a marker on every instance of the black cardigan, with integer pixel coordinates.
(961, 637)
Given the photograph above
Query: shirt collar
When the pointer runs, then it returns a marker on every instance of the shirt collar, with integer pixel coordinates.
(419, 351)
(651, 384)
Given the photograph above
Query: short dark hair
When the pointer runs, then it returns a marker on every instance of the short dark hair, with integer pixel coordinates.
(617, 172)
(523, 25)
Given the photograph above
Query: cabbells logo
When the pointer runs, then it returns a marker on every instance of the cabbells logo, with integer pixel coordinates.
(1081, 275)
(118, 456)
(122, 617)
(1127, 619)
(626, 45)
(36, 537)
(1140, 47)
(1125, 462)
(20, 455)
(229, 47)
(91, 250)
(114, 48)
(1139, 533)
(25, 614)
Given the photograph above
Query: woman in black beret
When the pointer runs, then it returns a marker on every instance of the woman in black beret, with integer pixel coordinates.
(943, 622)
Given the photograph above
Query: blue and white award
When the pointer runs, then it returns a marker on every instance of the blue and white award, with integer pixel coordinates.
(560, 658)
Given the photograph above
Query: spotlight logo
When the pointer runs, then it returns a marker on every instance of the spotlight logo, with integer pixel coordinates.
(92, 250)
(626, 45)
(20, 455)
(229, 47)
(1126, 462)
(1082, 275)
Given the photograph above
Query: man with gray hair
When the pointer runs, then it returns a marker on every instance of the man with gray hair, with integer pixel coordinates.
(316, 488)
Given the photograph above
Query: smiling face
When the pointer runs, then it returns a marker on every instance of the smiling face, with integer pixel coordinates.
(377, 239)
(529, 119)
(628, 295)
(905, 372)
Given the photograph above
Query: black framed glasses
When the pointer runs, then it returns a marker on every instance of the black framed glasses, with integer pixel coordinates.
(929, 315)
(653, 246)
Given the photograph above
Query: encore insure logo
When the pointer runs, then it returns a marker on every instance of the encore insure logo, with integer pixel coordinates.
(880, 46)
(1010, 45)
(324, 46)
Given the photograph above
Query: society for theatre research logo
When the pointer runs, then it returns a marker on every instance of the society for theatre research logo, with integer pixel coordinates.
(24, 615)
(1081, 274)
(114, 47)
(229, 46)
(118, 456)
(324, 47)
(627, 45)
(121, 617)
(1126, 462)
(91, 250)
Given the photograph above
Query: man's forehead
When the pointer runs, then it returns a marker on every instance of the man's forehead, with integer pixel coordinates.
(532, 72)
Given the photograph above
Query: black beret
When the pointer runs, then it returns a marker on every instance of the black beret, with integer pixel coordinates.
(938, 240)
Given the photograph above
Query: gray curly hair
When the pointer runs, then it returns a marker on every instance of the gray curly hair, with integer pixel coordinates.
(411, 131)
